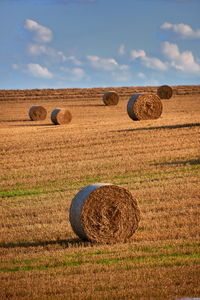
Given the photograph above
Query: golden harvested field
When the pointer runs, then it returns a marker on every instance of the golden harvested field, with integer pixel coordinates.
(43, 166)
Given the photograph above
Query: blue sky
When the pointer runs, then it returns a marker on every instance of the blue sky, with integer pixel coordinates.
(98, 43)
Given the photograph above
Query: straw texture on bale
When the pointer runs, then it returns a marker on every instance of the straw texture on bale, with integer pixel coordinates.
(144, 107)
(165, 92)
(111, 98)
(61, 116)
(37, 113)
(104, 213)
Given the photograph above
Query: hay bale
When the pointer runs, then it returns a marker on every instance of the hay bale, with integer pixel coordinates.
(111, 98)
(37, 113)
(143, 106)
(61, 116)
(164, 92)
(104, 213)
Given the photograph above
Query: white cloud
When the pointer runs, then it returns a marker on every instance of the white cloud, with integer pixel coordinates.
(121, 50)
(141, 75)
(42, 34)
(137, 54)
(37, 49)
(74, 60)
(37, 70)
(124, 67)
(78, 73)
(15, 66)
(170, 50)
(154, 63)
(183, 61)
(184, 30)
(178, 0)
(73, 1)
(152, 82)
(74, 73)
(107, 64)
(122, 77)
(147, 61)
(60, 54)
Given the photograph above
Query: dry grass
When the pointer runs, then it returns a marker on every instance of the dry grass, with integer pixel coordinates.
(42, 168)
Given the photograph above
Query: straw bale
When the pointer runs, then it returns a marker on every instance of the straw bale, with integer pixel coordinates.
(144, 106)
(165, 92)
(37, 113)
(104, 213)
(61, 116)
(111, 98)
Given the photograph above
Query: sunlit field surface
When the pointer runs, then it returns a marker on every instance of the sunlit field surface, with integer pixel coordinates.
(43, 166)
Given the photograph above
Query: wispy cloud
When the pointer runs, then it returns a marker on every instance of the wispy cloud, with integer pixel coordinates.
(121, 50)
(75, 74)
(35, 49)
(38, 49)
(73, 1)
(37, 70)
(15, 66)
(183, 61)
(141, 75)
(33, 69)
(147, 61)
(107, 64)
(179, 0)
(137, 54)
(65, 1)
(122, 76)
(74, 60)
(78, 73)
(42, 34)
(184, 30)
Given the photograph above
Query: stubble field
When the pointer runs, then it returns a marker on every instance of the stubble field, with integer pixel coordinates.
(43, 166)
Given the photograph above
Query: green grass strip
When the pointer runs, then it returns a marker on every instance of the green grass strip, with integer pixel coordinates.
(174, 259)
(59, 186)
(21, 192)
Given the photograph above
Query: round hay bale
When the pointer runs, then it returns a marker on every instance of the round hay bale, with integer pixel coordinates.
(61, 116)
(164, 92)
(144, 107)
(104, 213)
(37, 113)
(111, 98)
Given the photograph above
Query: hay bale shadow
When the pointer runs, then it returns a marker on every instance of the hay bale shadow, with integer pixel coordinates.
(86, 105)
(181, 162)
(75, 242)
(19, 120)
(159, 127)
(32, 125)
